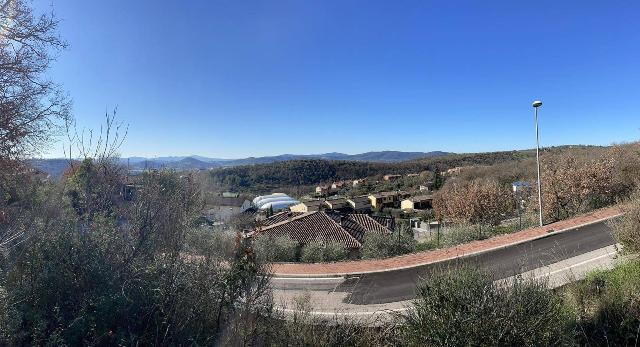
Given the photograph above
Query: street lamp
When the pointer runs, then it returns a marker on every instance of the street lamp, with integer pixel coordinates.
(537, 104)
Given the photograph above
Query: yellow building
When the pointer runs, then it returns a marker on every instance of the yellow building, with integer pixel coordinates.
(338, 204)
(420, 202)
(308, 206)
(360, 203)
(383, 199)
(387, 199)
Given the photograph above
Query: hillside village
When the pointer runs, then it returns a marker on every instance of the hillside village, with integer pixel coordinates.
(343, 212)
(425, 209)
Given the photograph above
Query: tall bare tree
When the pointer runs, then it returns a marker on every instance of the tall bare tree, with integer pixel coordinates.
(571, 186)
(482, 202)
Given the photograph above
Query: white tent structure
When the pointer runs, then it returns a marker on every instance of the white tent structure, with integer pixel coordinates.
(276, 201)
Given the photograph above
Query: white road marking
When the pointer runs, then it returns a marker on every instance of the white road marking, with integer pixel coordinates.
(377, 310)
(576, 265)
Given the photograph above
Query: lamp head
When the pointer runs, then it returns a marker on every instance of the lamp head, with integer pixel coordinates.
(537, 103)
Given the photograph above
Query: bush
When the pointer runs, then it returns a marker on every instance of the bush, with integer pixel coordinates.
(608, 303)
(459, 234)
(273, 249)
(150, 281)
(312, 252)
(626, 228)
(426, 245)
(317, 251)
(212, 241)
(465, 307)
(334, 251)
(379, 246)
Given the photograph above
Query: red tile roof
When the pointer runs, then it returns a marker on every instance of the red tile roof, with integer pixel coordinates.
(280, 217)
(348, 229)
(311, 226)
(388, 222)
(359, 225)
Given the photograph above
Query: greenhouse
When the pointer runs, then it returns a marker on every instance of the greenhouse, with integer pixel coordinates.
(275, 201)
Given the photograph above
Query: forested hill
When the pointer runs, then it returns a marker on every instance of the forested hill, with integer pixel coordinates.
(315, 171)
(297, 172)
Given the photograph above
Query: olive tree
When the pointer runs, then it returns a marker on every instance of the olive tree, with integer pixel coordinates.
(319, 251)
(275, 249)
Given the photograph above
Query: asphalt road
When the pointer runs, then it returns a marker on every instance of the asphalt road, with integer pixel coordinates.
(400, 285)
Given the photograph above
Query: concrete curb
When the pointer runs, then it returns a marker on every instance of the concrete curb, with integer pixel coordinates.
(459, 256)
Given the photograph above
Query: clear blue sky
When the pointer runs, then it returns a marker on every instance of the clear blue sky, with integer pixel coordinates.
(250, 78)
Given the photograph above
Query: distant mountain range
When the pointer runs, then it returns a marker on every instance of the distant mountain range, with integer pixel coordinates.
(55, 167)
(200, 162)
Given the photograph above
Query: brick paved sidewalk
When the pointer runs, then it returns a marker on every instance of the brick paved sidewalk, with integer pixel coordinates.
(427, 257)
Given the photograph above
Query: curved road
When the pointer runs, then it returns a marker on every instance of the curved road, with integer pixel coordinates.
(399, 285)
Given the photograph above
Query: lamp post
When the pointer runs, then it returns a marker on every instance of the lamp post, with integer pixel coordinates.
(537, 104)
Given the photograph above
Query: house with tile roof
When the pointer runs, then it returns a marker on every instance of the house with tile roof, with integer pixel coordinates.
(360, 203)
(338, 204)
(359, 225)
(419, 202)
(221, 209)
(387, 199)
(387, 222)
(350, 230)
(279, 217)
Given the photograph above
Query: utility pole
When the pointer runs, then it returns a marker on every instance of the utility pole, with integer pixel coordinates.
(537, 104)
(519, 205)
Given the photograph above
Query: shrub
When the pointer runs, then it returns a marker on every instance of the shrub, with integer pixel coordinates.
(334, 251)
(378, 246)
(151, 281)
(626, 228)
(207, 240)
(270, 249)
(426, 245)
(464, 307)
(459, 234)
(608, 303)
(312, 252)
(318, 251)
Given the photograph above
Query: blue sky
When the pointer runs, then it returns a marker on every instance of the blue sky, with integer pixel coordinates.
(250, 78)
